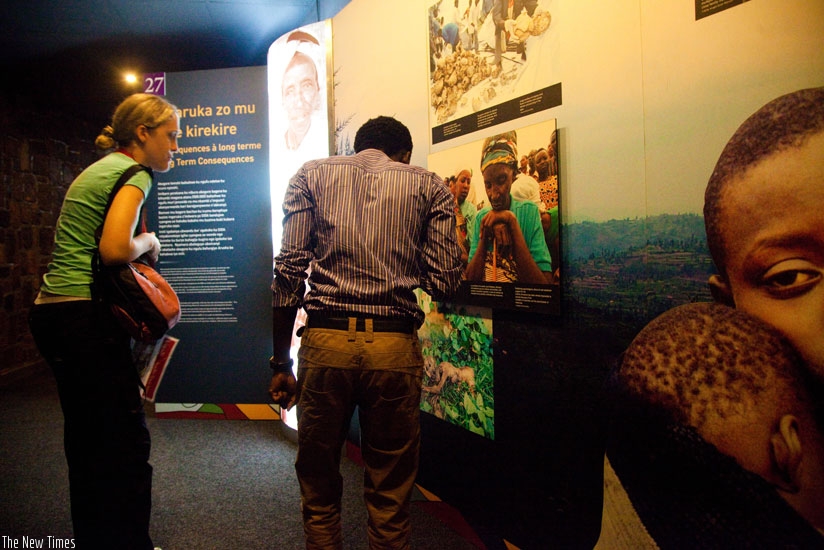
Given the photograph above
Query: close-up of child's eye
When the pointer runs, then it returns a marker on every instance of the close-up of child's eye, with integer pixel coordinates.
(791, 282)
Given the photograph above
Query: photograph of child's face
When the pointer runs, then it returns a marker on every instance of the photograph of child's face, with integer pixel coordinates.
(773, 224)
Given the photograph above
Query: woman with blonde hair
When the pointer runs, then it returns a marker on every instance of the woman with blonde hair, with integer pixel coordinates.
(106, 439)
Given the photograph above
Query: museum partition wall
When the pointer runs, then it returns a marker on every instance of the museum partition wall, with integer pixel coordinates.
(619, 111)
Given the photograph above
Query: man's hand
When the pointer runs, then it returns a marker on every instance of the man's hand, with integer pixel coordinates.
(283, 389)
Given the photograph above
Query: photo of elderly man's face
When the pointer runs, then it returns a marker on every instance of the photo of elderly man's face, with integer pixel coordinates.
(301, 97)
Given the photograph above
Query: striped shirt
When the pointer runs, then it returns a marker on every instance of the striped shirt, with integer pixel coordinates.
(369, 231)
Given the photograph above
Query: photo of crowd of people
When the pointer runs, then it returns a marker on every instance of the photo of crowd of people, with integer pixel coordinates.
(485, 52)
(506, 205)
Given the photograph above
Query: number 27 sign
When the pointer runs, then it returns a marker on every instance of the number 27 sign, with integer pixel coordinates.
(154, 83)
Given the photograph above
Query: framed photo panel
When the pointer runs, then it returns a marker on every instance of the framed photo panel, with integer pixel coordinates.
(508, 217)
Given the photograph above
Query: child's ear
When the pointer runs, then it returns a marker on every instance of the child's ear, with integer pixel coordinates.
(720, 290)
(785, 444)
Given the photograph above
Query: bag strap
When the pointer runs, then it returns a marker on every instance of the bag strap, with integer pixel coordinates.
(121, 181)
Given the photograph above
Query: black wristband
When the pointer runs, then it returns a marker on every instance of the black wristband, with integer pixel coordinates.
(284, 367)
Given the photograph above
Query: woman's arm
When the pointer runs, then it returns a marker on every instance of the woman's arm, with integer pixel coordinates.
(475, 267)
(117, 244)
(528, 270)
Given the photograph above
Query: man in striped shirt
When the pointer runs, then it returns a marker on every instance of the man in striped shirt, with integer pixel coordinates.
(366, 230)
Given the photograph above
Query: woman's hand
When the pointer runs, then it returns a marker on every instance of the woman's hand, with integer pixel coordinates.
(498, 226)
(152, 243)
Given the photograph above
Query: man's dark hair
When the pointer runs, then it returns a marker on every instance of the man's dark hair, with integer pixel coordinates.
(385, 134)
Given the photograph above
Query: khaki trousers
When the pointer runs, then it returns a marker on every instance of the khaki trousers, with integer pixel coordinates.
(380, 373)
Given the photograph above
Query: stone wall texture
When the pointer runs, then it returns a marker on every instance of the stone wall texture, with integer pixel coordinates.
(40, 154)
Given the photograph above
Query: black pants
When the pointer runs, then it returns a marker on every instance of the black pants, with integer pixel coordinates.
(105, 434)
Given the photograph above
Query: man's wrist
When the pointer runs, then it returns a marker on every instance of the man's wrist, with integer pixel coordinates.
(278, 367)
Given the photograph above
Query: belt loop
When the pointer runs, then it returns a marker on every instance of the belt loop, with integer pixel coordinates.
(370, 329)
(353, 326)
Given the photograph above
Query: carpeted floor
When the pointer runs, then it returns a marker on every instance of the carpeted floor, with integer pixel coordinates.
(222, 484)
(218, 484)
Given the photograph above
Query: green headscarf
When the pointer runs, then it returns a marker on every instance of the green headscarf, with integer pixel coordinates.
(501, 148)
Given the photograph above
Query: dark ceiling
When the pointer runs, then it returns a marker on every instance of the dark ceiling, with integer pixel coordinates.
(71, 54)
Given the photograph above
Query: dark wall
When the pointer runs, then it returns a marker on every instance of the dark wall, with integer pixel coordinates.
(40, 154)
(539, 483)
